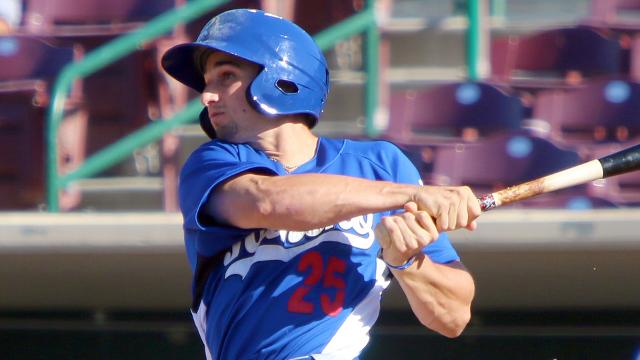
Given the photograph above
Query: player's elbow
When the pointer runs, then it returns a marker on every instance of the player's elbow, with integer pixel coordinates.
(451, 324)
(456, 324)
(247, 205)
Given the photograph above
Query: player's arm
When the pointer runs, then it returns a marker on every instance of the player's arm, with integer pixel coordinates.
(301, 202)
(309, 201)
(440, 295)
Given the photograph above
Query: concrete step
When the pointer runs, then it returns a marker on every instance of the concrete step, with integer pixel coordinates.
(121, 193)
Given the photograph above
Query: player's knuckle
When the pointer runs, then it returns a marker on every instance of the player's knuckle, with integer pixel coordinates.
(475, 209)
(400, 247)
(423, 240)
(423, 217)
(392, 230)
(408, 217)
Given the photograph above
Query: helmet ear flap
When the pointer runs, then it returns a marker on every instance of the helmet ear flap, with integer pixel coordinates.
(205, 124)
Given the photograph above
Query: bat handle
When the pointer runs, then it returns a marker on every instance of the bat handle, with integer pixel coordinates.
(487, 202)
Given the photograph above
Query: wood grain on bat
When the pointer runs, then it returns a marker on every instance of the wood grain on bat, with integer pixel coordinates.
(520, 192)
(614, 164)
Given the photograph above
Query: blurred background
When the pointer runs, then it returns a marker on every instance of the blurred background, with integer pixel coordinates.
(486, 93)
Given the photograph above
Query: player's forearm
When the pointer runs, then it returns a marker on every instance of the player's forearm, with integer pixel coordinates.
(440, 296)
(310, 201)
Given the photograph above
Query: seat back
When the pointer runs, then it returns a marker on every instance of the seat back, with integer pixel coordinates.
(599, 111)
(21, 147)
(506, 160)
(28, 70)
(452, 110)
(24, 57)
(44, 14)
(499, 161)
(567, 54)
(315, 16)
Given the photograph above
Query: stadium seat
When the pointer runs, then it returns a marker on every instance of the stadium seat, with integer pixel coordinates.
(89, 17)
(28, 58)
(596, 112)
(620, 18)
(554, 58)
(449, 111)
(505, 160)
(312, 16)
(315, 16)
(28, 69)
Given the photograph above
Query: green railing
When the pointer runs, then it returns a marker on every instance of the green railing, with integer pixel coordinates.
(364, 21)
(473, 39)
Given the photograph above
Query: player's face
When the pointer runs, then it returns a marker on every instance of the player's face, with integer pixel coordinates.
(227, 78)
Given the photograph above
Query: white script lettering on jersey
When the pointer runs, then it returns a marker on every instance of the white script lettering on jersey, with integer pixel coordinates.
(283, 245)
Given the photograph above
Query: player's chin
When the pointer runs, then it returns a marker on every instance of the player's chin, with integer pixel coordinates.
(227, 132)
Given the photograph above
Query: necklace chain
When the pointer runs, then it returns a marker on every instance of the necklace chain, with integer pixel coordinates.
(285, 166)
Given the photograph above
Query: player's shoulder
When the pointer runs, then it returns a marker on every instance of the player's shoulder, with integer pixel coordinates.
(216, 149)
(216, 152)
(373, 148)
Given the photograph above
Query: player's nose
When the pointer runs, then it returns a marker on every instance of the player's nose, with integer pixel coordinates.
(209, 96)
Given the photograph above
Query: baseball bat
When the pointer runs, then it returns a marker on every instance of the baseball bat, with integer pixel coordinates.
(621, 162)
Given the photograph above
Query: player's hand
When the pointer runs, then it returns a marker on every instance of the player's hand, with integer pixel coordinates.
(404, 235)
(452, 207)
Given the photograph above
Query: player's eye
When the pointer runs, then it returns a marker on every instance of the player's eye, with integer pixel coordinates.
(226, 76)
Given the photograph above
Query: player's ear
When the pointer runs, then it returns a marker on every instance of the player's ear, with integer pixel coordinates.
(205, 124)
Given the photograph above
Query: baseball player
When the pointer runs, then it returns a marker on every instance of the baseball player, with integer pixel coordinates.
(292, 238)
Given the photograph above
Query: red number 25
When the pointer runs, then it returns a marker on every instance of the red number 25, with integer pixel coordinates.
(328, 275)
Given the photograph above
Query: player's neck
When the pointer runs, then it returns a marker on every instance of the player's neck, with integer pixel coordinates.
(290, 144)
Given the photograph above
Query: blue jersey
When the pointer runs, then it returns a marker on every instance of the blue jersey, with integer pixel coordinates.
(277, 294)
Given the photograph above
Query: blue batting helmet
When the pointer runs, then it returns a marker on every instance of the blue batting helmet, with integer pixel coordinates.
(294, 78)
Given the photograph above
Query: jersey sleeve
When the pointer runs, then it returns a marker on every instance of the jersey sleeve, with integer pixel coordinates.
(440, 251)
(207, 167)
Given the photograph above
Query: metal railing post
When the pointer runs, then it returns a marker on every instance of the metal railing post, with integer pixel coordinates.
(373, 74)
(473, 39)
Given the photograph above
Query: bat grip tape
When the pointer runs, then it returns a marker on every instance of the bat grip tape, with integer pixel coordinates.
(620, 162)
